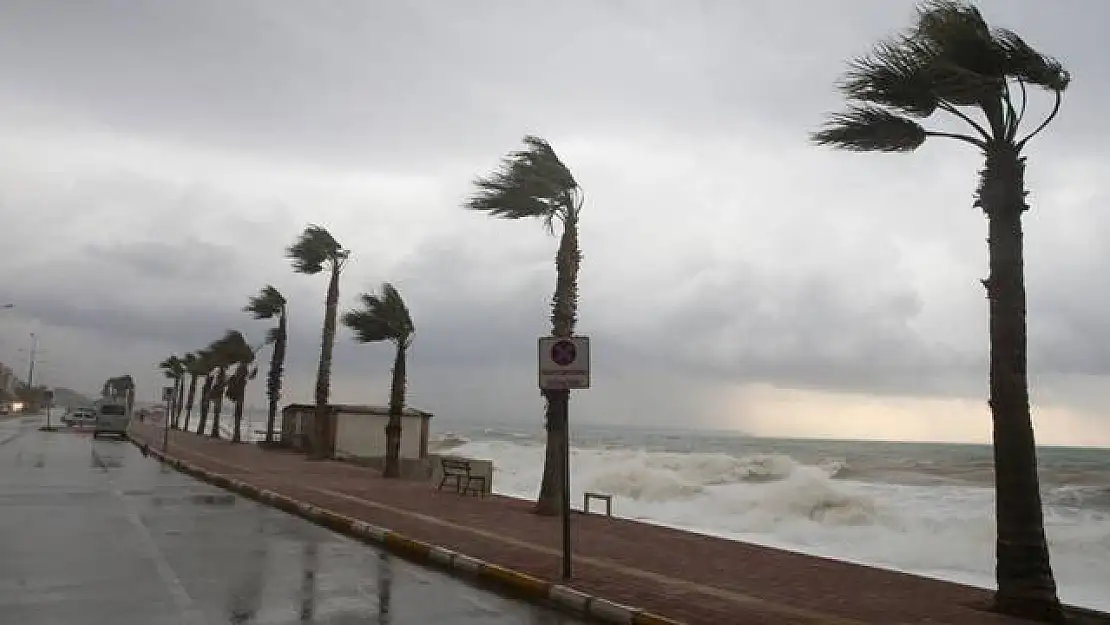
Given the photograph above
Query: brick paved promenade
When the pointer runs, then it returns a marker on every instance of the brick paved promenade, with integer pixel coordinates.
(695, 579)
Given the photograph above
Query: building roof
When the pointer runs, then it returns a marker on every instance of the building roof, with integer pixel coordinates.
(358, 409)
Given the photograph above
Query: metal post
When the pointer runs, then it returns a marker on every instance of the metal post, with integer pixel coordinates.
(31, 366)
(564, 422)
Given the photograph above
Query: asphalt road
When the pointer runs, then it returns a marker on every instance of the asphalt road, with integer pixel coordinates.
(93, 533)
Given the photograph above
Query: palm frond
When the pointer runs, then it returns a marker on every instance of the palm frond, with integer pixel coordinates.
(957, 32)
(963, 87)
(1024, 63)
(314, 249)
(532, 182)
(895, 74)
(382, 317)
(870, 129)
(173, 367)
(267, 304)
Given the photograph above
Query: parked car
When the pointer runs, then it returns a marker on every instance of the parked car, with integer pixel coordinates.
(79, 417)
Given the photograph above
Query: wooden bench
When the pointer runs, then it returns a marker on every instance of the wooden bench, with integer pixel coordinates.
(459, 471)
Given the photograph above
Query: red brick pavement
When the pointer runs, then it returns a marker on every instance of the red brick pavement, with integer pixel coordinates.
(688, 577)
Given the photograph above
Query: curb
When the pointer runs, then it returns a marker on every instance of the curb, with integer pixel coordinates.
(487, 574)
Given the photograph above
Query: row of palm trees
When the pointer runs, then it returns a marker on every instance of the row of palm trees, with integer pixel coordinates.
(223, 369)
(950, 62)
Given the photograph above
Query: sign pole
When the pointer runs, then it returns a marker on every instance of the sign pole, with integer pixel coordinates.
(564, 421)
(564, 364)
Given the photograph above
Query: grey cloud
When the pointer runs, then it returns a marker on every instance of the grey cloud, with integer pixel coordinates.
(166, 260)
(380, 83)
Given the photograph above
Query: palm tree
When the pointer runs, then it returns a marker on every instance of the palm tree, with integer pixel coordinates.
(173, 368)
(534, 183)
(239, 353)
(953, 62)
(314, 251)
(179, 398)
(195, 367)
(385, 317)
(270, 303)
(208, 361)
(222, 354)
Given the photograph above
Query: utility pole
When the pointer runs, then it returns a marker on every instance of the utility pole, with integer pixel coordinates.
(31, 366)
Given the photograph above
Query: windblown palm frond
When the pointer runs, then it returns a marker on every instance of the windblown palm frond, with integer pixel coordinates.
(950, 61)
(314, 249)
(871, 129)
(267, 304)
(532, 182)
(383, 317)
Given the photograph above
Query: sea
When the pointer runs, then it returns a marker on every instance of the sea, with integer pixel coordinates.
(921, 508)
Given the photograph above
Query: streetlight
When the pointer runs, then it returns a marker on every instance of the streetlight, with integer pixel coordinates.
(31, 366)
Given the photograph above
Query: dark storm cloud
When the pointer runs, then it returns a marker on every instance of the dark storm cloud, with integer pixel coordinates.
(163, 244)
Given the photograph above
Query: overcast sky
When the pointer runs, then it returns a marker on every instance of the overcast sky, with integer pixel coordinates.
(156, 159)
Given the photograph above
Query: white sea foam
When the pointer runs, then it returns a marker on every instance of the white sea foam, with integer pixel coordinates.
(942, 530)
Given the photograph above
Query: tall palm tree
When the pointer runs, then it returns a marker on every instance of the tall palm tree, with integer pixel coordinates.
(270, 303)
(179, 398)
(385, 317)
(534, 183)
(195, 366)
(953, 62)
(223, 356)
(239, 353)
(316, 250)
(174, 369)
(209, 363)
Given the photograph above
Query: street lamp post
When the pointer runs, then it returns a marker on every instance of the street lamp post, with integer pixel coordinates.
(31, 366)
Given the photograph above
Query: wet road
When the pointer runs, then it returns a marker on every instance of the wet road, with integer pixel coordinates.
(93, 533)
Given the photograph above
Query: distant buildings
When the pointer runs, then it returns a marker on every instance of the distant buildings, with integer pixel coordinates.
(7, 381)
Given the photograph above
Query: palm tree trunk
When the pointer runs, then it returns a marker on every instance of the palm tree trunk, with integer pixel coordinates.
(237, 433)
(238, 390)
(205, 403)
(564, 316)
(189, 398)
(396, 407)
(1026, 586)
(218, 401)
(320, 448)
(273, 382)
(179, 402)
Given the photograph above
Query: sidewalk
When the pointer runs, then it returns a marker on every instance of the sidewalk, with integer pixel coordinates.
(687, 577)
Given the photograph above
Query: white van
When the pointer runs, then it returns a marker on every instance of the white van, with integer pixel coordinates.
(111, 418)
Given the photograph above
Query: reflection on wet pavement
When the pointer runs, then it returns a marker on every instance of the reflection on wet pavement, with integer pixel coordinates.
(95, 534)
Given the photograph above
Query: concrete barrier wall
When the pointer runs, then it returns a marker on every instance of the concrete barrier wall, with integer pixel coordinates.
(411, 468)
(482, 468)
